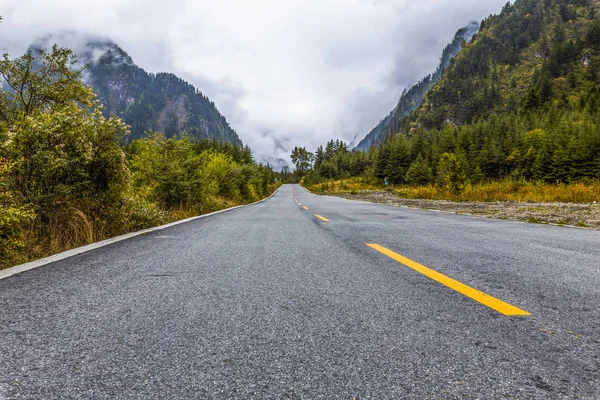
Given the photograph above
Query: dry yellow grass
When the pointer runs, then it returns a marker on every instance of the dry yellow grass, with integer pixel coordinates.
(344, 186)
(70, 229)
(517, 191)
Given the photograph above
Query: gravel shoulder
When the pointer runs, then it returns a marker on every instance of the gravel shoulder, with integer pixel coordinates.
(567, 214)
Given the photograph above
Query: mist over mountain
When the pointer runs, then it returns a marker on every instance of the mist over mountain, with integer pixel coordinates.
(411, 98)
(147, 102)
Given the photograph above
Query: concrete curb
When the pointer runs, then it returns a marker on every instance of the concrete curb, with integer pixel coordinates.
(5, 273)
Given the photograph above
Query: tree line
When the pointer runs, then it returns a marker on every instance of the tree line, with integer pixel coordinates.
(555, 146)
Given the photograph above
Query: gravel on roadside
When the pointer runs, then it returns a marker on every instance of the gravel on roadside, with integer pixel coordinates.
(568, 214)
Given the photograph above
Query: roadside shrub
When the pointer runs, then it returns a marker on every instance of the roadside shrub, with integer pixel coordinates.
(14, 225)
(451, 175)
(142, 214)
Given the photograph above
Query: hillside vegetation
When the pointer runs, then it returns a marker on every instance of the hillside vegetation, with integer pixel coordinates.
(65, 180)
(411, 98)
(520, 103)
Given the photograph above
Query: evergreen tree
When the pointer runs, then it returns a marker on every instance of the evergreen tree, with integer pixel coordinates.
(419, 172)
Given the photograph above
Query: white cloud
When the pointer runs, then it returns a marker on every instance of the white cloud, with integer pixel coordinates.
(285, 73)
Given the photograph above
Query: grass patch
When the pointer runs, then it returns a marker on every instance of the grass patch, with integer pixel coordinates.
(535, 220)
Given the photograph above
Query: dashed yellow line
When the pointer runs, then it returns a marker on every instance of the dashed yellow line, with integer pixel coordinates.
(322, 218)
(485, 299)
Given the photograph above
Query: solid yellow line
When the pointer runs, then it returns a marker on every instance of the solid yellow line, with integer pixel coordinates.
(306, 208)
(485, 299)
(321, 218)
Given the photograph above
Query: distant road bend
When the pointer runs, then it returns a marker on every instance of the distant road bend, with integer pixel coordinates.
(311, 297)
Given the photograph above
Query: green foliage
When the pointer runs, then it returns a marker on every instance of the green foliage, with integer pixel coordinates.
(419, 173)
(64, 156)
(69, 153)
(14, 220)
(560, 145)
(302, 159)
(451, 174)
(65, 181)
(163, 170)
(181, 173)
(142, 213)
(398, 160)
(39, 83)
(223, 174)
(336, 161)
(13, 224)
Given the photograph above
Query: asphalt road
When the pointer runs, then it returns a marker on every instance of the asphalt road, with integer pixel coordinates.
(270, 302)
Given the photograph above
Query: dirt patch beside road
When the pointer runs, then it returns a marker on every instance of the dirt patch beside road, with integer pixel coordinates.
(580, 215)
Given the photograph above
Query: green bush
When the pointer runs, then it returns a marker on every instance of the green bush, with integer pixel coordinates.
(451, 174)
(14, 224)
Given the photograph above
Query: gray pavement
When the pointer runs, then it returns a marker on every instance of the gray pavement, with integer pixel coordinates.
(270, 302)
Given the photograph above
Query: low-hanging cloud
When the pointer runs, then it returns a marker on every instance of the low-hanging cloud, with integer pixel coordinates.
(284, 73)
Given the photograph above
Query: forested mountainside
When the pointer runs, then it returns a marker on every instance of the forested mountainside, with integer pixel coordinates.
(154, 102)
(520, 102)
(532, 56)
(148, 102)
(411, 98)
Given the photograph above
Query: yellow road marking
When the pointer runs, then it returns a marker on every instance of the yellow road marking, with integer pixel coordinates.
(321, 218)
(485, 299)
(306, 208)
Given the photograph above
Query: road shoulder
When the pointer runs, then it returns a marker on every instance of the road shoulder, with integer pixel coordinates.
(562, 214)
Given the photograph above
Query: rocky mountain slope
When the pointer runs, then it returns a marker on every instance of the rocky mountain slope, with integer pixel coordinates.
(147, 102)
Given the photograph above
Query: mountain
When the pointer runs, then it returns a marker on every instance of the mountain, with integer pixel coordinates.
(520, 101)
(411, 99)
(147, 102)
(530, 56)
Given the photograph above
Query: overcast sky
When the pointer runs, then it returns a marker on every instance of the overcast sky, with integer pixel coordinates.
(284, 73)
